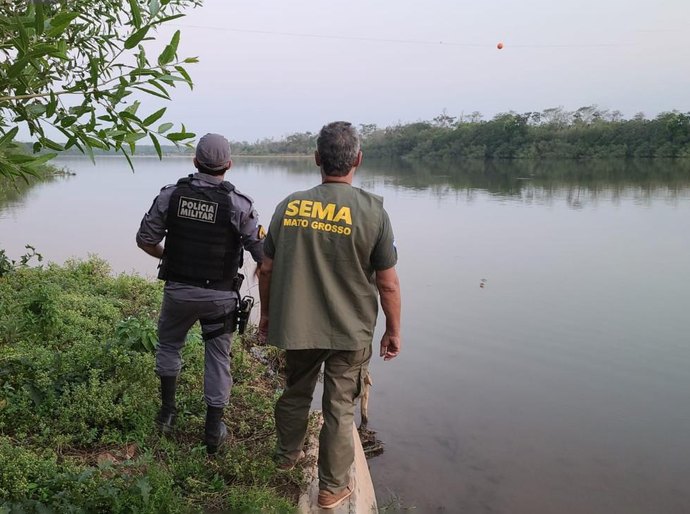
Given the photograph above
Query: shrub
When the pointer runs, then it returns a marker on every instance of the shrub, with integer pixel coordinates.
(78, 393)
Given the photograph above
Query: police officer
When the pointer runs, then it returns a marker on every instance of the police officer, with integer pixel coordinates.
(207, 224)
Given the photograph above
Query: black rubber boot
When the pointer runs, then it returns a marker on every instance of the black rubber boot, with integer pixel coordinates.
(168, 414)
(215, 431)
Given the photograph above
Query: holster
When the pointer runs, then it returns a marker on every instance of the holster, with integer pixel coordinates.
(229, 325)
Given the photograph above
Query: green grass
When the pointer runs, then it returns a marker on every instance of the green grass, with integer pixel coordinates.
(78, 395)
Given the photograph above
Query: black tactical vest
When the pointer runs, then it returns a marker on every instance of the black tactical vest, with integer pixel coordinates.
(202, 248)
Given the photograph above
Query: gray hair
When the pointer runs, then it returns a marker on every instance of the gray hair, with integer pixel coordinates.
(338, 146)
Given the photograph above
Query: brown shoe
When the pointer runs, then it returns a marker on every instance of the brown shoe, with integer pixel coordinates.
(329, 500)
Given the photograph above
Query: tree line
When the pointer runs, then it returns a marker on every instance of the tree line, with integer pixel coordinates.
(586, 133)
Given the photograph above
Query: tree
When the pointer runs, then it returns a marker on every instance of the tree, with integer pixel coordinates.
(68, 68)
(586, 115)
(475, 117)
(556, 117)
(615, 116)
(367, 129)
(444, 120)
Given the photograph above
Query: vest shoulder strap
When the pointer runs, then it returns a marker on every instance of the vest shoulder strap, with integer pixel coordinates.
(227, 186)
(185, 180)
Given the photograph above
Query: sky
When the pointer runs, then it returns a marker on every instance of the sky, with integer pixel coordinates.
(269, 68)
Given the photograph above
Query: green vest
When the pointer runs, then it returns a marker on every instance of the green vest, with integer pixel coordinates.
(326, 244)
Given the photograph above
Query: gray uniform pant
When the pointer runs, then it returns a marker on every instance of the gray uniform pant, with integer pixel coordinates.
(344, 373)
(178, 314)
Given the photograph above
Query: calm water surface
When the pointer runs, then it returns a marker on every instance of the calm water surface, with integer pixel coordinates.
(560, 386)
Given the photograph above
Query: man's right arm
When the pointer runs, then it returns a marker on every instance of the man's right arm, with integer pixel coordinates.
(388, 284)
(252, 234)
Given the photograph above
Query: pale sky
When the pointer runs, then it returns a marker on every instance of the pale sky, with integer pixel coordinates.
(273, 67)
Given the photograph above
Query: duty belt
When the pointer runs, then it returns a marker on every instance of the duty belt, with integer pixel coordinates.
(219, 285)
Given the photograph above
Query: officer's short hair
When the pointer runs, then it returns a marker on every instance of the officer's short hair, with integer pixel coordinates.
(338, 145)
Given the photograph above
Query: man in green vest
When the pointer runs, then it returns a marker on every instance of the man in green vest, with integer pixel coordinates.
(329, 255)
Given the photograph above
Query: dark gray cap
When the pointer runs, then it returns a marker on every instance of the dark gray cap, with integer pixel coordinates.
(213, 152)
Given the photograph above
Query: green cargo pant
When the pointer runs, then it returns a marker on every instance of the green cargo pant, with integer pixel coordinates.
(344, 373)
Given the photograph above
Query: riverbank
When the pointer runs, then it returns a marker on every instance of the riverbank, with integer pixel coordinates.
(78, 396)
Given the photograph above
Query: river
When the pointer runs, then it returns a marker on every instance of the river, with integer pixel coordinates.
(546, 336)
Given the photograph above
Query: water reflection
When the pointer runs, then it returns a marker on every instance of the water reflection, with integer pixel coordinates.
(542, 182)
(13, 193)
(577, 183)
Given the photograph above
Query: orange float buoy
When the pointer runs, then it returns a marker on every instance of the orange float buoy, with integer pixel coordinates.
(499, 46)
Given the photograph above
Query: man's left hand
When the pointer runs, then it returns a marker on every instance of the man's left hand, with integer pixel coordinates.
(390, 346)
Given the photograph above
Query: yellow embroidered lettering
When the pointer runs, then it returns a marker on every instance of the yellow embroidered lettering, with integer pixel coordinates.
(292, 208)
(305, 208)
(344, 214)
(323, 213)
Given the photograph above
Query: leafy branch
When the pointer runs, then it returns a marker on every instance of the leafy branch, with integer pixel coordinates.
(71, 66)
